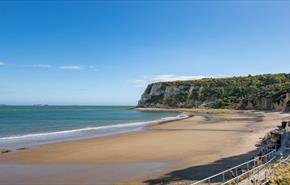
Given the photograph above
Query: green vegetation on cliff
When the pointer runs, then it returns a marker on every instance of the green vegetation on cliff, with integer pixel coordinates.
(268, 91)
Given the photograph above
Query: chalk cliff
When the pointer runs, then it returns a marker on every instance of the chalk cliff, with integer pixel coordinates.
(261, 92)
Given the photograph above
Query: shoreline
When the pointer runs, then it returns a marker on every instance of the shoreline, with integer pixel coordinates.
(123, 129)
(192, 110)
(184, 113)
(157, 151)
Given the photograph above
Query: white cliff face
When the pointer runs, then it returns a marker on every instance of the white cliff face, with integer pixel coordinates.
(206, 94)
(158, 96)
(156, 90)
(174, 91)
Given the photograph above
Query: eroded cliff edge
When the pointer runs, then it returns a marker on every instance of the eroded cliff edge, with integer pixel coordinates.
(260, 92)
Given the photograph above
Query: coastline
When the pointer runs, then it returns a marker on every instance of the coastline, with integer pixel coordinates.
(158, 150)
(190, 110)
(19, 142)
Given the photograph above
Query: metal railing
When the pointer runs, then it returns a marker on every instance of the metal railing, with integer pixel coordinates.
(252, 167)
(239, 170)
(260, 173)
(249, 173)
(270, 171)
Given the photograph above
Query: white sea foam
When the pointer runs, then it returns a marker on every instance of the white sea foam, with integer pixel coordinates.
(88, 132)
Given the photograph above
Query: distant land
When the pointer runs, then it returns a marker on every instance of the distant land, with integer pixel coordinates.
(260, 92)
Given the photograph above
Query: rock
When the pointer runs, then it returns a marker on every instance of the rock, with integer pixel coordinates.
(156, 90)
(5, 151)
(263, 93)
(23, 148)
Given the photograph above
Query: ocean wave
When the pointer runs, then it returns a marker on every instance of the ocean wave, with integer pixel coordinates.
(81, 130)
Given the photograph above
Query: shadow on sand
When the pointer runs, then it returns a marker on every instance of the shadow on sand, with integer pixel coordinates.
(195, 173)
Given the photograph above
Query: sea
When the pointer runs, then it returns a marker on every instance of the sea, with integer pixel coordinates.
(31, 126)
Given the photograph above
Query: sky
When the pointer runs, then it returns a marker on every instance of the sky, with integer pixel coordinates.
(106, 52)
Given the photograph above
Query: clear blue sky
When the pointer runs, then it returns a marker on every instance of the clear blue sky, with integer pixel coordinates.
(88, 52)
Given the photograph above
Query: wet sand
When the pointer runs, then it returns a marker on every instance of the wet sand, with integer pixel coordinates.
(156, 151)
(72, 174)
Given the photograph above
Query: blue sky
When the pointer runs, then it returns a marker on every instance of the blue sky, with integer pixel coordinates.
(105, 52)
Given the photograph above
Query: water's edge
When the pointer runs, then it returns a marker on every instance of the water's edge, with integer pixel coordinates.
(14, 143)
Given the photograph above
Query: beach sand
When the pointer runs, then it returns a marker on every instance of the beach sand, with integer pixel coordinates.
(177, 151)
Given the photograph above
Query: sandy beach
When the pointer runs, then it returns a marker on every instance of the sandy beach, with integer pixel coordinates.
(178, 151)
(144, 92)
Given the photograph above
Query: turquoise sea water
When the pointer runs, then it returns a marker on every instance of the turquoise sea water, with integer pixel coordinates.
(28, 126)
